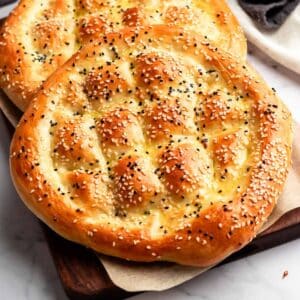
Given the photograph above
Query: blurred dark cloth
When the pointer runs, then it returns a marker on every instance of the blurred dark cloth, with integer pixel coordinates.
(4, 2)
(270, 14)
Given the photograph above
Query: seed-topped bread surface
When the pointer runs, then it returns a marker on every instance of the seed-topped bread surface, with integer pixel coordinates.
(39, 36)
(151, 144)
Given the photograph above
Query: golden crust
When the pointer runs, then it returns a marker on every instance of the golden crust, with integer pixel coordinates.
(32, 50)
(177, 198)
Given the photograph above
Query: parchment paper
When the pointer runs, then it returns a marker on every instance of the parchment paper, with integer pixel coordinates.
(11, 112)
(135, 277)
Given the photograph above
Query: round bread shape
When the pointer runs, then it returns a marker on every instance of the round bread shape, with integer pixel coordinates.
(39, 36)
(153, 145)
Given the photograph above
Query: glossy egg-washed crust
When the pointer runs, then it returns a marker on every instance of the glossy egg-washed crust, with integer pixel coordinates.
(40, 35)
(153, 145)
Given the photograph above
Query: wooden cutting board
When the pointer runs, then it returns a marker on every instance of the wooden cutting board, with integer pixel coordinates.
(84, 278)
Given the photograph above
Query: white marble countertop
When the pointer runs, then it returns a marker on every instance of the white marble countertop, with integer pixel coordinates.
(27, 271)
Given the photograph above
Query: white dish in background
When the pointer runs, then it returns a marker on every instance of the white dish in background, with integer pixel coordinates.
(282, 44)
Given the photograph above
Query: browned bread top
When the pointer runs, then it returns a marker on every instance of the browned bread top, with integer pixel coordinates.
(40, 35)
(151, 144)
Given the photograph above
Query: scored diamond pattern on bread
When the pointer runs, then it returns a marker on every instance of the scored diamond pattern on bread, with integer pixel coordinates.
(152, 144)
